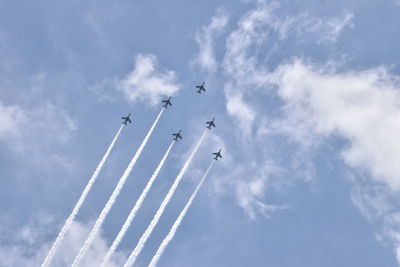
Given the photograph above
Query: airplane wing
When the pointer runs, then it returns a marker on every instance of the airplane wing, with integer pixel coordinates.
(129, 120)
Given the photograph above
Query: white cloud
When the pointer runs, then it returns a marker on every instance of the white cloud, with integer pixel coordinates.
(249, 184)
(335, 26)
(23, 129)
(257, 27)
(361, 107)
(251, 191)
(319, 101)
(147, 83)
(377, 203)
(75, 239)
(244, 45)
(239, 66)
(205, 39)
(28, 244)
(246, 76)
(36, 134)
(10, 119)
(238, 62)
(246, 179)
(326, 30)
(240, 110)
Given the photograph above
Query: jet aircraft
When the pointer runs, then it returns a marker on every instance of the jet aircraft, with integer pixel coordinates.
(201, 88)
(167, 102)
(126, 119)
(217, 154)
(177, 135)
(210, 123)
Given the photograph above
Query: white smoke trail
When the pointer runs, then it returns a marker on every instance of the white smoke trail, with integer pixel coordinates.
(78, 205)
(178, 221)
(135, 208)
(111, 200)
(142, 241)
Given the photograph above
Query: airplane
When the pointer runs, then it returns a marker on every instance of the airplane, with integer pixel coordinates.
(177, 135)
(126, 119)
(217, 154)
(201, 88)
(210, 123)
(167, 102)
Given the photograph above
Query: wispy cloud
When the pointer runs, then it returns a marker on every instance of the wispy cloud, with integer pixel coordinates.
(334, 27)
(10, 118)
(205, 39)
(319, 101)
(377, 203)
(258, 34)
(21, 126)
(251, 192)
(27, 245)
(37, 135)
(244, 45)
(359, 106)
(147, 82)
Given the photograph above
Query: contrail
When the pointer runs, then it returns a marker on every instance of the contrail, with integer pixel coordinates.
(178, 221)
(114, 196)
(142, 241)
(134, 210)
(78, 205)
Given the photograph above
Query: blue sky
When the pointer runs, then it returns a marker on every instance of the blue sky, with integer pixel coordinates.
(305, 95)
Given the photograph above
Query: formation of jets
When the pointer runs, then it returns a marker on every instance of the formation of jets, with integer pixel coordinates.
(167, 102)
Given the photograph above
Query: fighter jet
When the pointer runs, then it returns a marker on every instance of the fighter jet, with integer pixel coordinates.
(167, 102)
(210, 123)
(217, 154)
(177, 135)
(201, 88)
(126, 119)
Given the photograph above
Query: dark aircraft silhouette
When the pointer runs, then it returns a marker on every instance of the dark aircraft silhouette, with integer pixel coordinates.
(126, 119)
(167, 102)
(210, 123)
(201, 88)
(177, 135)
(217, 154)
